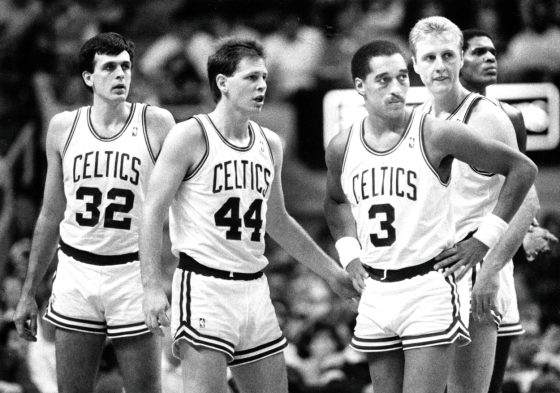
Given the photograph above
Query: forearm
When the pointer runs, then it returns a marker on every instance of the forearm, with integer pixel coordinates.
(339, 219)
(514, 190)
(297, 242)
(512, 239)
(151, 234)
(45, 240)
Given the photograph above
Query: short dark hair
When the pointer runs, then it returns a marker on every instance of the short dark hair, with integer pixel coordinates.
(103, 44)
(471, 33)
(360, 60)
(226, 58)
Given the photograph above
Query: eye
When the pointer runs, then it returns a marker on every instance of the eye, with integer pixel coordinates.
(403, 77)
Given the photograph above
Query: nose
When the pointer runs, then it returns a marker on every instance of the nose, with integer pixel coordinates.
(489, 57)
(261, 86)
(438, 64)
(120, 72)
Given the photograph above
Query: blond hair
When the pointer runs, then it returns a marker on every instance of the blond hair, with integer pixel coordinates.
(433, 25)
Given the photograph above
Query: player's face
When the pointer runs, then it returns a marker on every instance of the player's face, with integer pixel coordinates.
(438, 60)
(386, 86)
(480, 66)
(246, 88)
(111, 76)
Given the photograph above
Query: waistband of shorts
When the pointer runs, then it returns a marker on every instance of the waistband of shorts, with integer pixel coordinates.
(96, 259)
(187, 262)
(392, 275)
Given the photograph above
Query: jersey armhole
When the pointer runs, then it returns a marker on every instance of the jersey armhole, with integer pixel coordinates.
(146, 134)
(72, 130)
(444, 182)
(206, 153)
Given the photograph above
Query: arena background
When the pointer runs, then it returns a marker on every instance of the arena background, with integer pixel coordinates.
(309, 44)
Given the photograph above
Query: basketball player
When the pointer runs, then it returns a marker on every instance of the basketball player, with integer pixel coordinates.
(389, 209)
(479, 71)
(99, 159)
(436, 44)
(221, 174)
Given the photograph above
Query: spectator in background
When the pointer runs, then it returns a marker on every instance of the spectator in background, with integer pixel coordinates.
(533, 54)
(320, 356)
(14, 370)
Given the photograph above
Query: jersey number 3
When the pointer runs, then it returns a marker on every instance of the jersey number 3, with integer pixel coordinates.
(385, 225)
(92, 207)
(229, 216)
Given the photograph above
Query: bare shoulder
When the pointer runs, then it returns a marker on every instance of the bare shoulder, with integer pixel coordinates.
(489, 119)
(275, 142)
(60, 127)
(336, 148)
(187, 134)
(158, 121)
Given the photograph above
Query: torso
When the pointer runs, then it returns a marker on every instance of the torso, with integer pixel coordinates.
(218, 216)
(474, 192)
(400, 204)
(104, 183)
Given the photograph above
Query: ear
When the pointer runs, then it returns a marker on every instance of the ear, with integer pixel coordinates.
(221, 82)
(359, 86)
(86, 76)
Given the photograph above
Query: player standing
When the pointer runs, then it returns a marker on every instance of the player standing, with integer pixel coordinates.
(221, 174)
(389, 209)
(99, 160)
(436, 44)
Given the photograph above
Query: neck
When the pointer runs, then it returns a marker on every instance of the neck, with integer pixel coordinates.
(107, 113)
(231, 123)
(474, 87)
(379, 125)
(448, 101)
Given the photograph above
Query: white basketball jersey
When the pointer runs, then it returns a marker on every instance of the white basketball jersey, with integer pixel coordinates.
(218, 216)
(104, 184)
(400, 205)
(474, 192)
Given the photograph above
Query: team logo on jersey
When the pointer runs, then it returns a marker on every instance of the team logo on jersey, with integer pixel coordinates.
(201, 322)
(411, 142)
(134, 131)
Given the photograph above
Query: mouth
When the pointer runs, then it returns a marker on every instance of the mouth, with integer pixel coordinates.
(440, 78)
(119, 87)
(491, 70)
(259, 99)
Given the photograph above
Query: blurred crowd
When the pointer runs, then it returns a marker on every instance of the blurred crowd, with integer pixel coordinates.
(308, 45)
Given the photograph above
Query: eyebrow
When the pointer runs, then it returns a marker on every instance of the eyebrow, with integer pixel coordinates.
(384, 74)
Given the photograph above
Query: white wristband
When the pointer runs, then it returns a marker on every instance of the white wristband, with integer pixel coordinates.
(348, 249)
(491, 230)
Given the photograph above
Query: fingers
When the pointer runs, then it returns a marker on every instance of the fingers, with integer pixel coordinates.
(460, 271)
(164, 319)
(155, 320)
(359, 283)
(446, 254)
(550, 237)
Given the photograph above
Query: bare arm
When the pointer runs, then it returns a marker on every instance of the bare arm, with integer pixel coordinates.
(338, 211)
(159, 121)
(181, 149)
(491, 153)
(465, 144)
(289, 234)
(46, 232)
